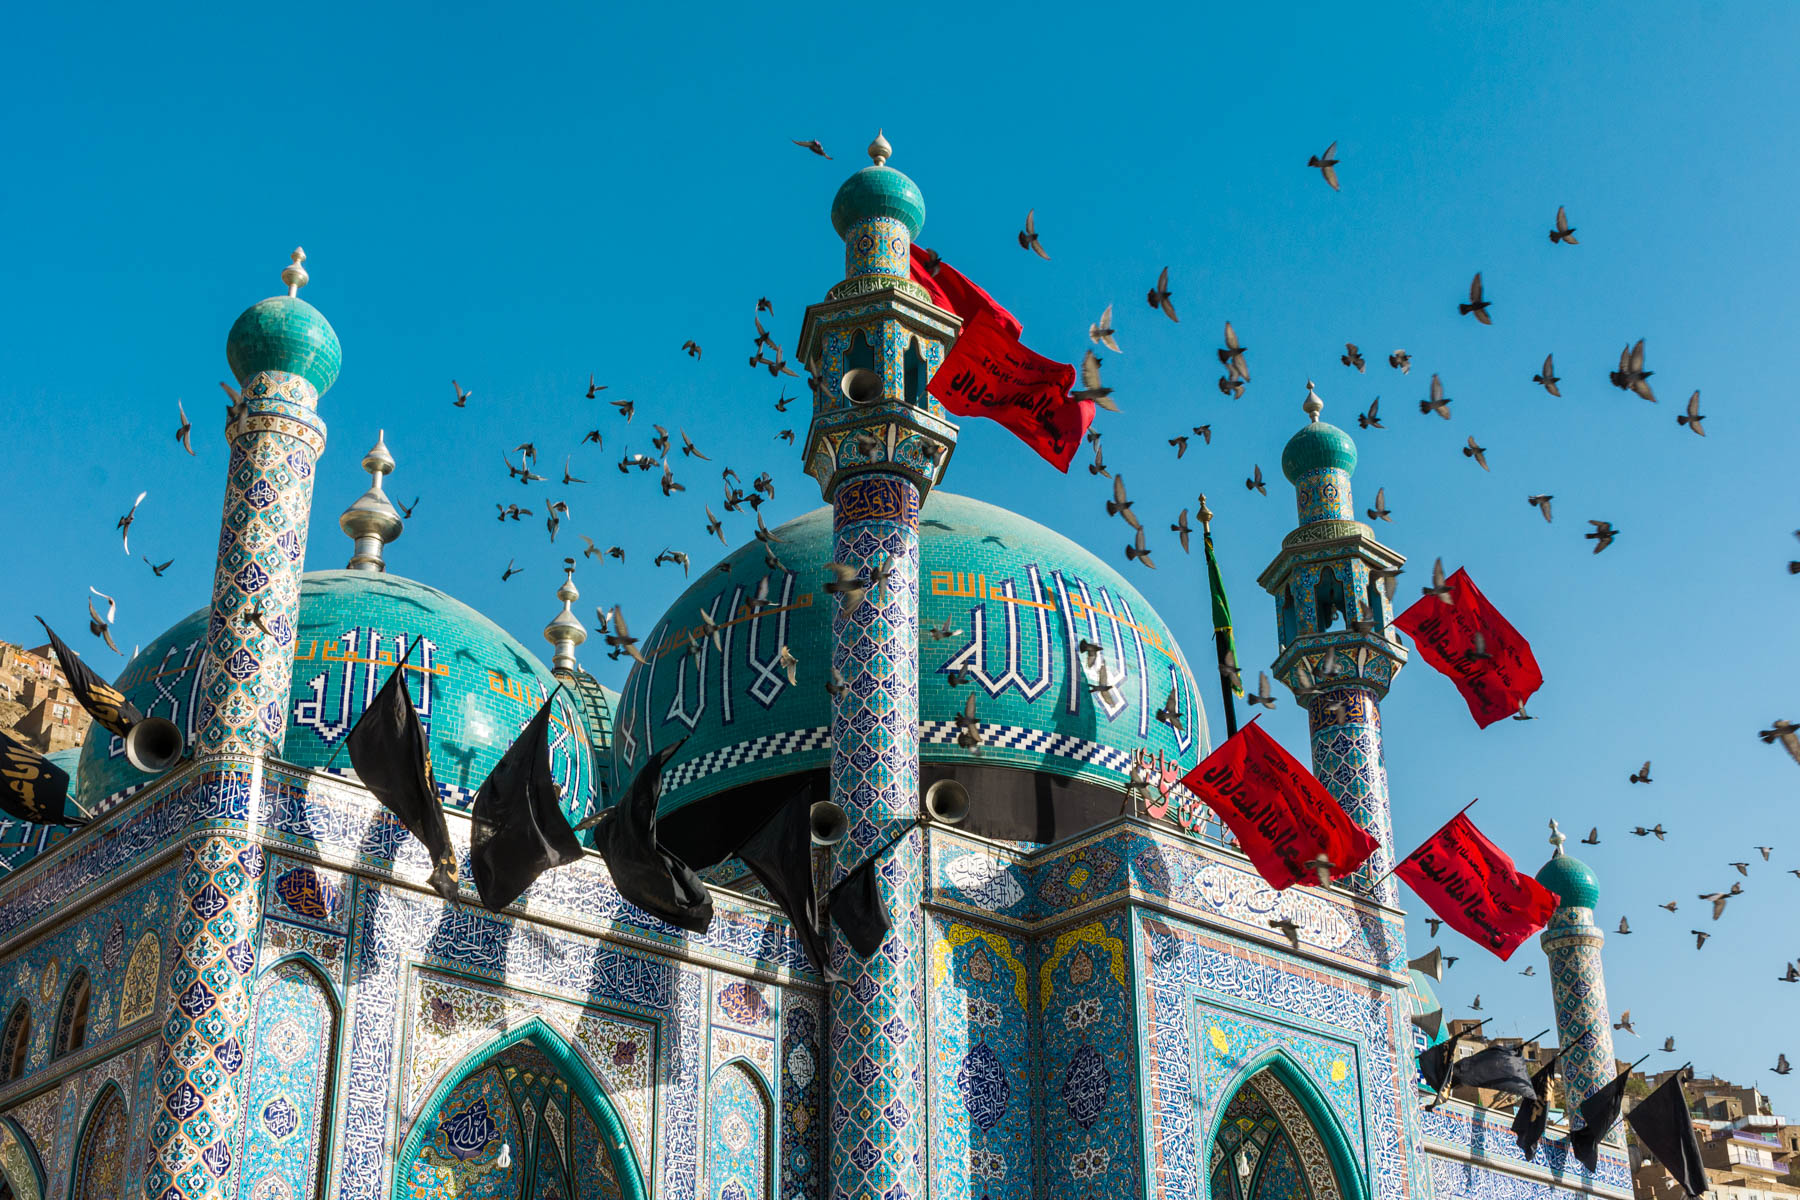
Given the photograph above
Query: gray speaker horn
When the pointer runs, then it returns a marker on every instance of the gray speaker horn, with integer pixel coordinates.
(861, 386)
(829, 824)
(947, 802)
(153, 745)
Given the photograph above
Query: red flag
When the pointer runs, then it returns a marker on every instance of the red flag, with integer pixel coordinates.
(1495, 675)
(1473, 885)
(988, 373)
(951, 289)
(1282, 817)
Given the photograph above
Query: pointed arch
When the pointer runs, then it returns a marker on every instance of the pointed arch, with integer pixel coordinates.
(283, 1136)
(582, 1082)
(15, 1043)
(740, 1133)
(100, 1150)
(20, 1167)
(1290, 617)
(1306, 1111)
(72, 1017)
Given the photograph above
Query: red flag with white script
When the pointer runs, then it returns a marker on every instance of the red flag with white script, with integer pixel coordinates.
(1473, 885)
(1283, 818)
(953, 290)
(1488, 660)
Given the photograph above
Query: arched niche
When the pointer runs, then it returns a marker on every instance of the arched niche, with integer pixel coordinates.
(739, 1134)
(291, 1059)
(21, 1171)
(100, 1152)
(1277, 1139)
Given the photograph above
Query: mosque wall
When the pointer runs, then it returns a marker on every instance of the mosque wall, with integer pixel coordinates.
(1473, 1155)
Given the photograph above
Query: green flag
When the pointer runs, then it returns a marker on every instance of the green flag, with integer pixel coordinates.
(1221, 610)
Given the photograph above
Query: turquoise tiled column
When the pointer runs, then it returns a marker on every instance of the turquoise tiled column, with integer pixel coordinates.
(1572, 941)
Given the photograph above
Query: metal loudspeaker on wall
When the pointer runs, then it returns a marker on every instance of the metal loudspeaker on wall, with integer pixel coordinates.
(947, 802)
(153, 745)
(829, 824)
(861, 386)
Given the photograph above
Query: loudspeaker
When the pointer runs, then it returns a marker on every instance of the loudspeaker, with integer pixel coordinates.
(153, 745)
(861, 386)
(829, 824)
(947, 802)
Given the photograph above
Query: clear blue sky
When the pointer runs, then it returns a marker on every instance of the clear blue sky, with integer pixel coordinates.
(519, 201)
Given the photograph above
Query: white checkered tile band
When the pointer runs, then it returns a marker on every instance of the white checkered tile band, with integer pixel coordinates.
(755, 750)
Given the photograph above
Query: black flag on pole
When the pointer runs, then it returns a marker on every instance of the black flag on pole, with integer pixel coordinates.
(1533, 1116)
(857, 908)
(103, 702)
(1500, 1068)
(1599, 1113)
(646, 874)
(780, 853)
(519, 827)
(1665, 1127)
(392, 757)
(32, 788)
(1435, 1062)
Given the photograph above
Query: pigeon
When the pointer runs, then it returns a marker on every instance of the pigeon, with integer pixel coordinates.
(1439, 588)
(523, 473)
(1743, 868)
(1642, 774)
(1792, 976)
(791, 665)
(1624, 925)
(553, 515)
(1327, 165)
(837, 684)
(1672, 906)
(462, 397)
(510, 571)
(1435, 924)
(688, 447)
(1668, 1045)
(1547, 375)
(1478, 453)
(1700, 936)
(157, 570)
(1228, 671)
(1785, 732)
(1781, 1066)
(1603, 535)
(669, 486)
(1624, 1022)
(185, 430)
(661, 441)
(124, 525)
(1593, 837)
(1101, 332)
(1438, 403)
(1232, 356)
(782, 401)
(691, 348)
(626, 408)
(239, 407)
(1371, 419)
(1691, 418)
(527, 453)
(1401, 361)
(715, 526)
(1476, 305)
(1119, 506)
(1721, 899)
(1289, 930)
(254, 615)
(848, 584)
(1231, 387)
(566, 477)
(1138, 552)
(1204, 433)
(1475, 1004)
(1542, 504)
(1262, 695)
(592, 550)
(1387, 579)
(1182, 528)
(1352, 357)
(1180, 444)
(592, 435)
(812, 145)
(672, 556)
(1528, 971)
(1158, 296)
(594, 389)
(1563, 232)
(406, 510)
(1631, 376)
(1657, 829)
(1380, 511)
(1255, 483)
(968, 728)
(1028, 237)
(1091, 387)
(1765, 851)
(944, 632)
(102, 627)
(1170, 712)
(1450, 960)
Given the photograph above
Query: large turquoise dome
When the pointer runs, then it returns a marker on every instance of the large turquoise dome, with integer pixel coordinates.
(1571, 879)
(1019, 598)
(878, 192)
(1318, 447)
(475, 689)
(284, 333)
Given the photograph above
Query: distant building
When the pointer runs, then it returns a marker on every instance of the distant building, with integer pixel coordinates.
(35, 700)
(1749, 1151)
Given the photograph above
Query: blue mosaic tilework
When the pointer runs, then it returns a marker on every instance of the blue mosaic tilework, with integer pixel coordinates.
(1459, 1130)
(738, 1135)
(474, 685)
(1349, 761)
(1090, 1118)
(100, 1160)
(1324, 496)
(1572, 942)
(802, 1096)
(291, 1066)
(878, 246)
(593, 1171)
(1267, 1148)
(1230, 1042)
(477, 1122)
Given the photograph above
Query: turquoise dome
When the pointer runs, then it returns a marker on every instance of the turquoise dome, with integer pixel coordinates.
(284, 333)
(483, 687)
(878, 192)
(1318, 447)
(1571, 879)
(1017, 597)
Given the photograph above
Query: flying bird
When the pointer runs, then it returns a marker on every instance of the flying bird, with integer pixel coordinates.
(1603, 535)
(1542, 504)
(1476, 305)
(1327, 165)
(1691, 418)
(715, 526)
(1204, 433)
(1631, 376)
(1289, 930)
(157, 570)
(1672, 905)
(1401, 361)
(1439, 403)
(1098, 466)
(1478, 453)
(1528, 971)
(566, 477)
(1624, 1022)
(1380, 511)
(1182, 528)
(691, 348)
(1180, 444)
(183, 432)
(1642, 774)
(101, 627)
(1120, 505)
(620, 638)
(462, 397)
(1255, 482)
(1028, 237)
(1091, 387)
(1792, 976)
(812, 145)
(1138, 552)
(1624, 925)
(1371, 419)
(837, 685)
(1170, 712)
(1668, 1045)
(1232, 355)
(1262, 695)
(848, 584)
(1720, 899)
(1765, 851)
(1743, 868)
(1781, 1066)
(626, 408)
(1593, 837)
(1564, 232)
(688, 447)
(968, 727)
(1785, 732)
(943, 632)
(1475, 1005)
(1657, 829)
(1547, 375)
(1700, 936)
(510, 571)
(1158, 296)
(672, 556)
(1439, 586)
(594, 389)
(1101, 332)
(124, 525)
(1435, 924)
(1231, 387)
(1352, 357)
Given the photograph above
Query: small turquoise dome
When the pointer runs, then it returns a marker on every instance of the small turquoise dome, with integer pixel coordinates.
(878, 192)
(284, 333)
(1318, 447)
(1571, 879)
(1423, 993)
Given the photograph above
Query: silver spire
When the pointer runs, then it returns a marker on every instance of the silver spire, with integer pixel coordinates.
(1557, 839)
(879, 150)
(295, 275)
(1313, 406)
(565, 630)
(372, 521)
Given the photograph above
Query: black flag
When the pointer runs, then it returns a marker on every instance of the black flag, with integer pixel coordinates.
(646, 874)
(856, 907)
(32, 788)
(519, 828)
(1498, 1067)
(1434, 1062)
(392, 757)
(1665, 1127)
(1599, 1113)
(1533, 1116)
(780, 853)
(105, 703)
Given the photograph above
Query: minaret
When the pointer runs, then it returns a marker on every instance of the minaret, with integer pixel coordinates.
(1325, 602)
(372, 521)
(877, 444)
(1572, 941)
(565, 630)
(285, 356)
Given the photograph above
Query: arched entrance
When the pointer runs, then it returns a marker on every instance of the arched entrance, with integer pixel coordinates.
(522, 1119)
(1272, 1144)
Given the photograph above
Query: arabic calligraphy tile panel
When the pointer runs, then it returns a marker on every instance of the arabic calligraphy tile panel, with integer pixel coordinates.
(1489, 1138)
(1455, 1180)
(308, 895)
(290, 1080)
(462, 1153)
(1089, 1114)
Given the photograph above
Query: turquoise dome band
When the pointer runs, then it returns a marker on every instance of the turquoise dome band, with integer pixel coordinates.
(1571, 879)
(1318, 447)
(284, 333)
(878, 192)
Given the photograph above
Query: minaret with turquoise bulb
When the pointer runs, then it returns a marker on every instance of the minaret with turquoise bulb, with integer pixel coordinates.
(285, 356)
(565, 630)
(1572, 942)
(1325, 602)
(877, 444)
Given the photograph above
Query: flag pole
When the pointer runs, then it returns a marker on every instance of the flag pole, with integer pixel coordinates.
(1459, 812)
(1221, 637)
(399, 666)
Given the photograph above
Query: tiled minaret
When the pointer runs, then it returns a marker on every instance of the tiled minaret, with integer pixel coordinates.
(1572, 941)
(877, 444)
(1325, 601)
(285, 356)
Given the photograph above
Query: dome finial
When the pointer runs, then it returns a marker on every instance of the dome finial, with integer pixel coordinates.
(565, 630)
(879, 150)
(1557, 839)
(1313, 406)
(294, 275)
(372, 521)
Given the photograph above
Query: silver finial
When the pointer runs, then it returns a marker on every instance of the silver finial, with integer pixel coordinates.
(1313, 405)
(565, 630)
(372, 521)
(879, 150)
(378, 461)
(294, 275)
(1557, 839)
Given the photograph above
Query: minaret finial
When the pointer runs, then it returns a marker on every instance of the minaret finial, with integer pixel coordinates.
(565, 630)
(1557, 839)
(294, 275)
(879, 150)
(372, 521)
(1313, 405)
